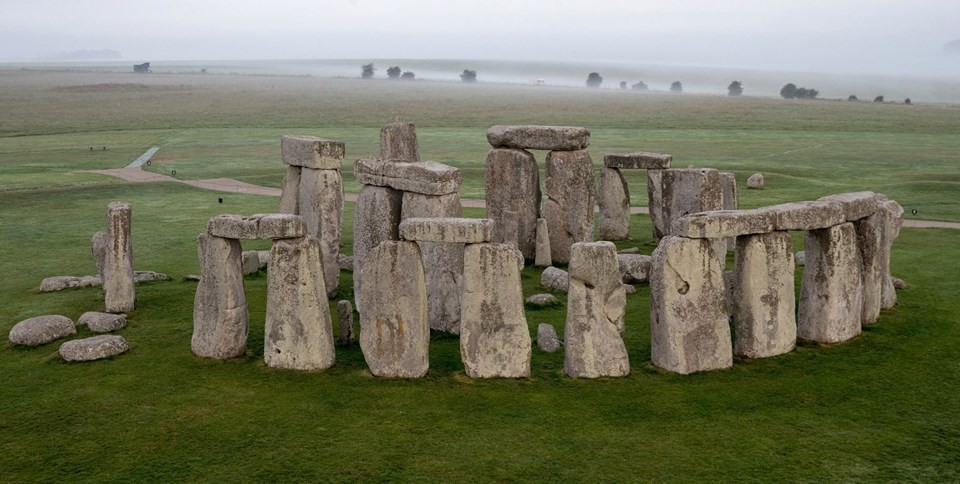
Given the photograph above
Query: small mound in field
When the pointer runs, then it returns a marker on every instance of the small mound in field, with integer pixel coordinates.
(119, 87)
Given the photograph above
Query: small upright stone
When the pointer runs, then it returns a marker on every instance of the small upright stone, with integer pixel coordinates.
(547, 338)
(94, 348)
(512, 182)
(447, 229)
(102, 322)
(530, 137)
(345, 318)
(614, 199)
(118, 288)
(311, 152)
(755, 181)
(543, 244)
(571, 197)
(831, 295)
(41, 330)
(220, 319)
(398, 142)
(857, 205)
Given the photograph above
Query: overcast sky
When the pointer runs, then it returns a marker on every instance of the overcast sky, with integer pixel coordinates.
(872, 35)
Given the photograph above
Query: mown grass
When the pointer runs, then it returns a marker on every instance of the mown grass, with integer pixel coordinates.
(880, 407)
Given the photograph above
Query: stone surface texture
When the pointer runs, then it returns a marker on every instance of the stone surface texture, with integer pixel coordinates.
(530, 137)
(345, 319)
(542, 300)
(571, 198)
(655, 203)
(102, 322)
(755, 181)
(556, 279)
(321, 206)
(543, 258)
(512, 184)
(690, 190)
(870, 243)
(892, 221)
(376, 219)
(290, 191)
(731, 200)
(425, 177)
(547, 339)
(258, 226)
(856, 205)
(831, 294)
(725, 223)
(220, 319)
(447, 229)
(59, 283)
(398, 142)
(99, 245)
(640, 160)
(93, 348)
(763, 302)
(634, 268)
(118, 288)
(807, 215)
(311, 152)
(41, 330)
(614, 199)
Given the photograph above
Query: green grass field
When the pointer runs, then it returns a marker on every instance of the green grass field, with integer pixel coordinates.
(880, 407)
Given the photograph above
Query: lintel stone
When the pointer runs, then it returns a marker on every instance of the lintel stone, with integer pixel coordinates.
(447, 229)
(311, 152)
(725, 223)
(857, 205)
(640, 160)
(425, 177)
(259, 226)
(554, 138)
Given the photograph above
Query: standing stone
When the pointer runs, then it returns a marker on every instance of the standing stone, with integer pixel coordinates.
(290, 191)
(755, 181)
(558, 138)
(595, 310)
(118, 286)
(547, 338)
(614, 197)
(345, 317)
(298, 334)
(831, 295)
(99, 245)
(763, 303)
(892, 220)
(690, 190)
(376, 219)
(870, 243)
(571, 197)
(511, 225)
(494, 337)
(443, 261)
(220, 319)
(321, 206)
(398, 142)
(394, 333)
(655, 203)
(513, 184)
(689, 326)
(543, 244)
(730, 200)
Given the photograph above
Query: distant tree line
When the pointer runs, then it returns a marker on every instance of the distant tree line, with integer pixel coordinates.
(395, 72)
(791, 91)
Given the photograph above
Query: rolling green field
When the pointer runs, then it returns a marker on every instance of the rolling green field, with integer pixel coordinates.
(880, 407)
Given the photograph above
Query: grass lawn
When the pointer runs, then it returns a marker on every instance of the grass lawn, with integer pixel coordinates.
(880, 407)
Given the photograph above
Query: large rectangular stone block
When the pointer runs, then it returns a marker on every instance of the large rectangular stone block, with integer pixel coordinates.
(762, 298)
(376, 219)
(531, 137)
(690, 190)
(571, 197)
(311, 152)
(118, 283)
(856, 205)
(220, 319)
(321, 206)
(398, 142)
(807, 215)
(614, 200)
(258, 226)
(725, 223)
(512, 182)
(640, 160)
(447, 229)
(831, 295)
(426, 177)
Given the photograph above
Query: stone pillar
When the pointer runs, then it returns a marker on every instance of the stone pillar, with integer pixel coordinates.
(655, 203)
(614, 197)
(571, 197)
(595, 310)
(494, 336)
(870, 242)
(398, 142)
(543, 244)
(763, 299)
(892, 220)
(220, 319)
(394, 333)
(690, 190)
(513, 184)
(99, 245)
(119, 292)
(730, 200)
(689, 326)
(442, 261)
(290, 191)
(298, 333)
(831, 296)
(376, 218)
(320, 203)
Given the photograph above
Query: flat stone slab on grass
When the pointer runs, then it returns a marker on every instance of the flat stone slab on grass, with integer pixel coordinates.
(59, 283)
(259, 226)
(856, 205)
(547, 338)
(102, 322)
(555, 138)
(447, 229)
(94, 348)
(311, 152)
(425, 177)
(41, 330)
(640, 160)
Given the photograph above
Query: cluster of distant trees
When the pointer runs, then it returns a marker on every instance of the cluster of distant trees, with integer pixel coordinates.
(395, 72)
(791, 91)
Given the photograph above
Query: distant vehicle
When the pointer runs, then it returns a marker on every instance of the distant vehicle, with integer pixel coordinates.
(536, 82)
(143, 68)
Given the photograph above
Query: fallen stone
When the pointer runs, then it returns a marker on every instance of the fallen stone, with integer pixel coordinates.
(755, 181)
(191, 278)
(634, 268)
(398, 142)
(102, 322)
(345, 262)
(263, 257)
(614, 200)
(543, 258)
(856, 205)
(807, 215)
(530, 137)
(394, 333)
(376, 219)
(763, 303)
(640, 160)
(118, 285)
(220, 319)
(321, 206)
(93, 348)
(512, 184)
(425, 177)
(41, 330)
(259, 226)
(547, 339)
(655, 204)
(538, 301)
(298, 333)
(899, 283)
(831, 294)
(59, 283)
(99, 244)
(720, 224)
(448, 229)
(800, 258)
(345, 318)
(556, 279)
(311, 152)
(290, 191)
(593, 346)
(148, 276)
(494, 336)
(571, 198)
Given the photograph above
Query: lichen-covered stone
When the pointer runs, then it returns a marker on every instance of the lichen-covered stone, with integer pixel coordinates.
(870, 243)
(512, 184)
(543, 300)
(655, 204)
(719, 224)
(220, 319)
(614, 200)
(892, 220)
(447, 229)
(856, 205)
(571, 198)
(345, 319)
(398, 142)
(94, 348)
(634, 268)
(762, 297)
(531, 137)
(290, 191)
(118, 284)
(543, 258)
(321, 206)
(755, 181)
(258, 226)
(807, 215)
(690, 190)
(556, 279)
(640, 160)
(311, 152)
(831, 295)
(41, 330)
(547, 339)
(425, 177)
(99, 244)
(102, 322)
(376, 219)
(59, 283)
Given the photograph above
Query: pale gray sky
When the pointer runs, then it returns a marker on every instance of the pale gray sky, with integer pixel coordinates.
(873, 35)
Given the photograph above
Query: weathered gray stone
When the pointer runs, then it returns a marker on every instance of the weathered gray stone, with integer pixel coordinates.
(831, 295)
(556, 279)
(720, 224)
(547, 338)
(59, 283)
(690, 190)
(755, 181)
(298, 333)
(542, 301)
(258, 226)
(807, 215)
(394, 333)
(250, 262)
(629, 289)
(763, 298)
(731, 200)
(442, 261)
(800, 258)
(870, 242)
(899, 283)
(41, 330)
(596, 300)
(118, 288)
(345, 262)
(530, 137)
(376, 219)
(892, 220)
(512, 184)
(543, 244)
(448, 229)
(689, 325)
(426, 177)
(856, 205)
(93, 348)
(102, 322)
(494, 337)
(571, 197)
(191, 278)
(345, 318)
(629, 250)
(147, 276)
(614, 199)
(398, 142)
(655, 203)
(511, 225)
(263, 258)
(634, 268)
(311, 152)
(99, 245)
(290, 191)
(321, 206)
(220, 319)
(640, 160)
